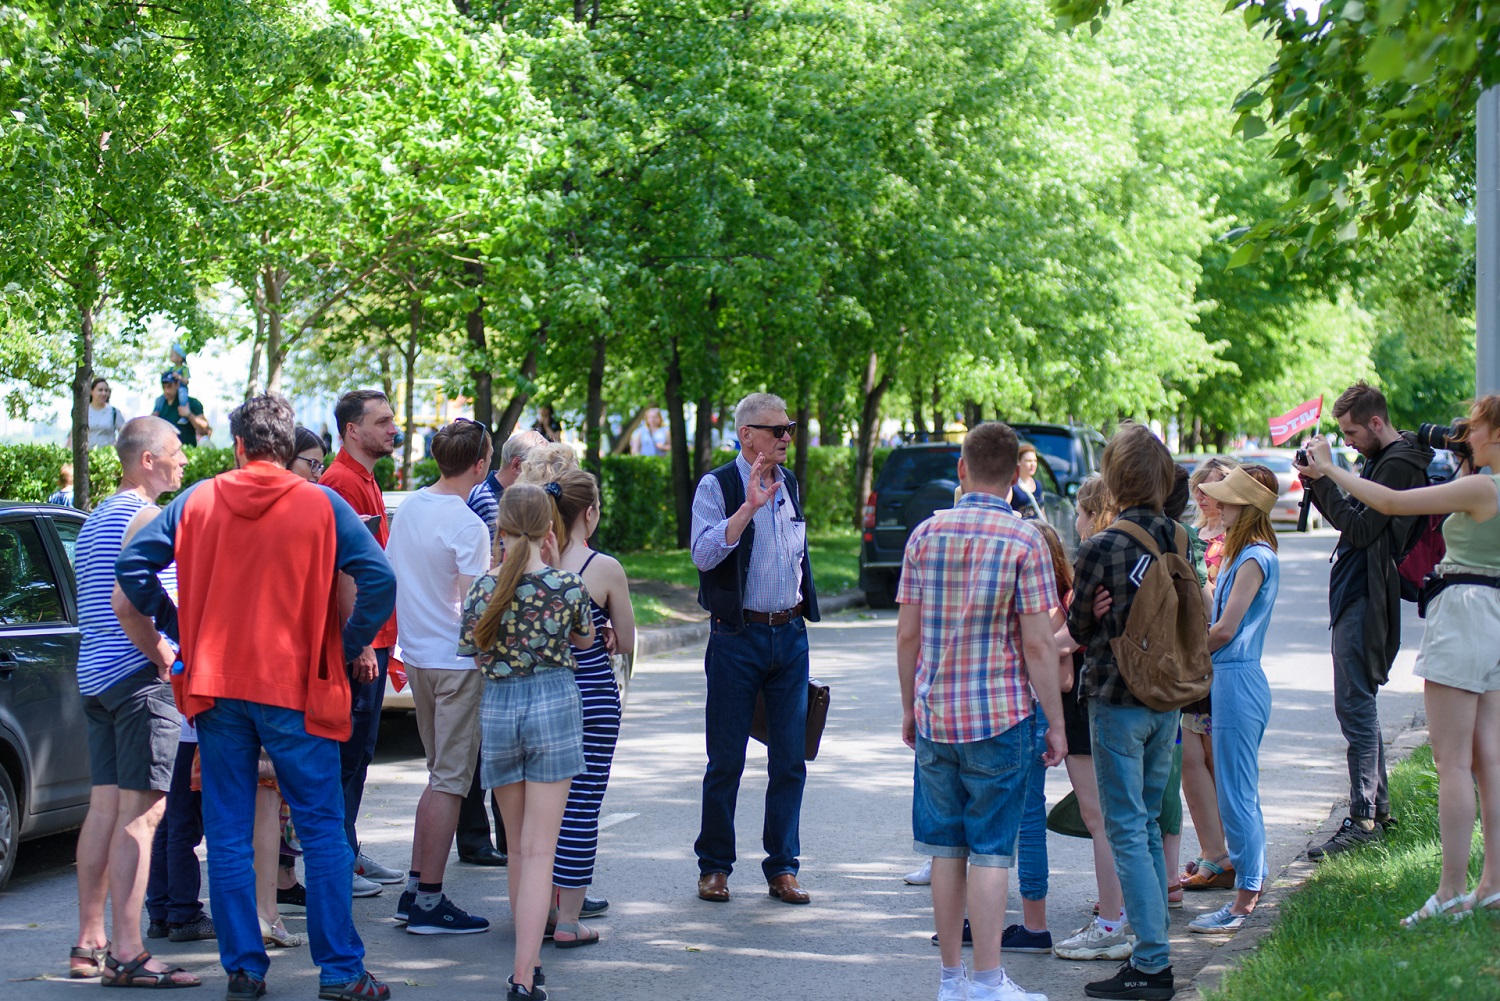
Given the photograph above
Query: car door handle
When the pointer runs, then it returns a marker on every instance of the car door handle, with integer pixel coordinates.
(8, 665)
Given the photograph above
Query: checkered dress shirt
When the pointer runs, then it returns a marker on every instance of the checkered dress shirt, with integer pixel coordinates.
(974, 569)
(1113, 561)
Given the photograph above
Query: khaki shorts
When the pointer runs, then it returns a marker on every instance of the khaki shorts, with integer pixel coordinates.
(1458, 648)
(447, 704)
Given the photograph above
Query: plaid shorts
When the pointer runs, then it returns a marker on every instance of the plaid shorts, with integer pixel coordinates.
(532, 729)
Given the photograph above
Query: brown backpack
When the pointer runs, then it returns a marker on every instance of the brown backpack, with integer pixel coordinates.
(1163, 652)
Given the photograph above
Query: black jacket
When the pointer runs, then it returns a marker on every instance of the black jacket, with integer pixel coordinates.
(1382, 538)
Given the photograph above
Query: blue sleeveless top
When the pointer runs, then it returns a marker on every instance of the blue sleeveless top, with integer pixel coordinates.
(1246, 646)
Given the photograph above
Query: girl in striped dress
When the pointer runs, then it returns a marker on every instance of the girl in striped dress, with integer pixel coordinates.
(577, 496)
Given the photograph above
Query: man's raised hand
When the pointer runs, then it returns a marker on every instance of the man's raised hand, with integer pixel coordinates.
(756, 492)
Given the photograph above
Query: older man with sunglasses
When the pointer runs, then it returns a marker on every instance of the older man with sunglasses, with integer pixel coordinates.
(750, 548)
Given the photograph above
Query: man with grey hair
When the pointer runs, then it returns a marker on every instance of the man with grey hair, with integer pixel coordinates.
(749, 543)
(484, 500)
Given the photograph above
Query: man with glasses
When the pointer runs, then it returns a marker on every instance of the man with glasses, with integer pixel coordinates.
(750, 548)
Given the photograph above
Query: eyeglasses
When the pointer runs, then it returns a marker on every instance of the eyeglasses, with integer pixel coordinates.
(777, 430)
(313, 464)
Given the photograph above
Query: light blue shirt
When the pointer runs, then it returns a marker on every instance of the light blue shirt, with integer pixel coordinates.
(1247, 643)
(774, 582)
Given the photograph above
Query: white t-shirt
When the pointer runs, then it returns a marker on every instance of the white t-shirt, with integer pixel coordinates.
(104, 425)
(434, 540)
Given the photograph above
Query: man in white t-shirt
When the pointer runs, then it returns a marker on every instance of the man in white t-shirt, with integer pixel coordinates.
(437, 547)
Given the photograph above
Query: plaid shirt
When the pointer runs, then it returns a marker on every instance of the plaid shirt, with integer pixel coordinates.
(974, 569)
(1109, 560)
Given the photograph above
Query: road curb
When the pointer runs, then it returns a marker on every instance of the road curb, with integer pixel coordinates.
(663, 639)
(1290, 879)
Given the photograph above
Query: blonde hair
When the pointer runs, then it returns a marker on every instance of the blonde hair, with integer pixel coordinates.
(526, 514)
(1220, 464)
(545, 463)
(1137, 467)
(1095, 500)
(1252, 525)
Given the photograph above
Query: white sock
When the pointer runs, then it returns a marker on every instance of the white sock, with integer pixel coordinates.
(953, 972)
(989, 978)
(1111, 926)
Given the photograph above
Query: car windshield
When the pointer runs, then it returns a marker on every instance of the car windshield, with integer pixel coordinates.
(1058, 449)
(908, 468)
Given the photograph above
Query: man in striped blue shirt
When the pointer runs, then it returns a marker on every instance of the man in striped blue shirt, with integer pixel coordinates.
(133, 723)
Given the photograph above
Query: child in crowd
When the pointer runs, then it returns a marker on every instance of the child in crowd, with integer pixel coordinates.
(521, 623)
(1241, 694)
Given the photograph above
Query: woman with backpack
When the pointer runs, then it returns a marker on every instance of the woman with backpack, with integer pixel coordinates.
(1241, 695)
(1457, 662)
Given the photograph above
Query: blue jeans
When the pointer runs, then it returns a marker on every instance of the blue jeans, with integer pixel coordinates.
(230, 736)
(175, 880)
(968, 799)
(1032, 857)
(356, 753)
(1132, 759)
(1242, 708)
(741, 663)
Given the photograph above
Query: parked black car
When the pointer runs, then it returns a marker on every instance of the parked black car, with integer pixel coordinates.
(917, 480)
(44, 762)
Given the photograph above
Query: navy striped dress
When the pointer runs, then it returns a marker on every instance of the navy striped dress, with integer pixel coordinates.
(578, 841)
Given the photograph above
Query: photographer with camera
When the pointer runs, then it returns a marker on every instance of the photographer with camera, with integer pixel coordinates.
(1458, 662)
(1364, 599)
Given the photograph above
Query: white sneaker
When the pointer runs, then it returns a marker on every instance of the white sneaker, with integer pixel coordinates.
(1093, 942)
(1006, 990)
(364, 888)
(372, 870)
(921, 877)
(956, 989)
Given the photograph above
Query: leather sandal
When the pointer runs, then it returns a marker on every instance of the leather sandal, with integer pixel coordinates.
(95, 958)
(582, 935)
(135, 974)
(1174, 902)
(1211, 876)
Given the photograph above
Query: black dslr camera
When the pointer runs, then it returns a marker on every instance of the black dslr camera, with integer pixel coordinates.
(1453, 437)
(1303, 459)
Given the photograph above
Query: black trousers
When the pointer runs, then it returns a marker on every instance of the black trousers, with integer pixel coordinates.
(474, 823)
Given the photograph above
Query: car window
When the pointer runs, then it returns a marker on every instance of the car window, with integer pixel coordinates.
(907, 469)
(1057, 448)
(68, 532)
(1275, 463)
(28, 592)
(1049, 482)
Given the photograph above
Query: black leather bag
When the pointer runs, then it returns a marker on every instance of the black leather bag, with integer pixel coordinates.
(817, 718)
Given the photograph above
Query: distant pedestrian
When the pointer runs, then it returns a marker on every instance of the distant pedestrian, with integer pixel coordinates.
(1242, 695)
(749, 543)
(133, 726)
(438, 548)
(1132, 743)
(63, 495)
(180, 410)
(652, 437)
(266, 661)
(1026, 495)
(1458, 665)
(105, 422)
(976, 584)
(367, 429)
(547, 424)
(522, 622)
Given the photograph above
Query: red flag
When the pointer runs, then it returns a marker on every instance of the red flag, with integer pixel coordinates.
(1289, 424)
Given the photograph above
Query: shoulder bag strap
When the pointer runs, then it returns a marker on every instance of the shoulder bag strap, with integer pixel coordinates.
(1139, 534)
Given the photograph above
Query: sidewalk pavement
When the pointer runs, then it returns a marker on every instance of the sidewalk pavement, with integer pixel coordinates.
(865, 935)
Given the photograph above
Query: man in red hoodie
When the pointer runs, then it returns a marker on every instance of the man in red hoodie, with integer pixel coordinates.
(264, 660)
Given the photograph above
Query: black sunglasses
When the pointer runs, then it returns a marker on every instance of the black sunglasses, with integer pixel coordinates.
(777, 430)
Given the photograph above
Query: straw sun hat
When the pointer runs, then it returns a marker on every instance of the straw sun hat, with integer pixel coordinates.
(1239, 487)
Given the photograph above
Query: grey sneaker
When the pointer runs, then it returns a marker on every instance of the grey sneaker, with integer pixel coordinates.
(1348, 838)
(364, 888)
(375, 872)
(1093, 942)
(1221, 922)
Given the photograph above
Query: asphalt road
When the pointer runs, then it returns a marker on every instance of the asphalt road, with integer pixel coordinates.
(865, 935)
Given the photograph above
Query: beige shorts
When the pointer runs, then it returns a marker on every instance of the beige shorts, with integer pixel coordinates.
(447, 704)
(1458, 648)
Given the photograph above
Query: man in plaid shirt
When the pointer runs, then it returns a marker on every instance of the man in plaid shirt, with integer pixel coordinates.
(972, 631)
(1132, 742)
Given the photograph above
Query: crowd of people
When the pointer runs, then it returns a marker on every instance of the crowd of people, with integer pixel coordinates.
(240, 704)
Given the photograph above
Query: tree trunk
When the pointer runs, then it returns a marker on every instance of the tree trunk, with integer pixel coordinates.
(682, 487)
(257, 302)
(938, 424)
(828, 432)
(703, 437)
(275, 348)
(484, 402)
(1221, 440)
(804, 436)
(505, 424)
(387, 380)
(622, 443)
(918, 421)
(83, 373)
(593, 417)
(868, 435)
(410, 358)
(973, 414)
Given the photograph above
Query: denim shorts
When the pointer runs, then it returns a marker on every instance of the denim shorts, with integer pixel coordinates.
(532, 729)
(969, 798)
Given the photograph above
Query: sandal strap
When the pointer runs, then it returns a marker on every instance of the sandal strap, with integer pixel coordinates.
(1213, 868)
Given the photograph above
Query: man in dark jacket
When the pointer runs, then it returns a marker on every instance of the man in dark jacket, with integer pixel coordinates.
(1364, 599)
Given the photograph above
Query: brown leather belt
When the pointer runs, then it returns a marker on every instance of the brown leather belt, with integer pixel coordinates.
(776, 618)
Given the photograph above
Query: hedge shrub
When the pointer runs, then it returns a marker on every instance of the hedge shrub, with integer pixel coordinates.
(29, 472)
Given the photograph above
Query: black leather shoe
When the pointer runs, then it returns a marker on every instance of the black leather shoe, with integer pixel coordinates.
(484, 856)
(593, 907)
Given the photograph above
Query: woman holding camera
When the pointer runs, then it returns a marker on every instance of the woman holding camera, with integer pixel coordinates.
(1458, 660)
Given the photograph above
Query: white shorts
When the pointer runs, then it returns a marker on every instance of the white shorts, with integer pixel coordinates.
(1458, 648)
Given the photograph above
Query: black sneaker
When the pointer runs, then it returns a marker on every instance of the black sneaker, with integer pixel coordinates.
(1130, 983)
(968, 934)
(593, 907)
(1348, 838)
(244, 987)
(446, 918)
(293, 896)
(1019, 938)
(404, 905)
(516, 992)
(196, 930)
(158, 929)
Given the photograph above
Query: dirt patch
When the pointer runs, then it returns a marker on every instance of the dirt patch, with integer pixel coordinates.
(678, 601)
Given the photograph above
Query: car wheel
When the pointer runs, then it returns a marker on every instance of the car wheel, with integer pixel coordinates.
(10, 828)
(884, 596)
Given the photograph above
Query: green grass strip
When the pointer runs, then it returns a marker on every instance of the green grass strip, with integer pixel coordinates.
(1339, 938)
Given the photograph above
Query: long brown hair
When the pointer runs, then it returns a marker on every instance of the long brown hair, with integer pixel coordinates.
(1061, 568)
(578, 491)
(526, 513)
(1252, 525)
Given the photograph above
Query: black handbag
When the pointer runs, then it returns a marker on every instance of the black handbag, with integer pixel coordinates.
(817, 718)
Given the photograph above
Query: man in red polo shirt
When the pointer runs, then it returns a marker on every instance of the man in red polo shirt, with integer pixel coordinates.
(367, 425)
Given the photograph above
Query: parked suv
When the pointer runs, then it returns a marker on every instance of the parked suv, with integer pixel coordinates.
(1072, 451)
(44, 764)
(918, 480)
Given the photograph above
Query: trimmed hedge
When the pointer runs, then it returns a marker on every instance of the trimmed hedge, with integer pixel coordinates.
(29, 472)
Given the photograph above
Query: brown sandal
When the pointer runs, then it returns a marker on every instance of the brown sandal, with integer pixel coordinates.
(94, 956)
(135, 974)
(1211, 876)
